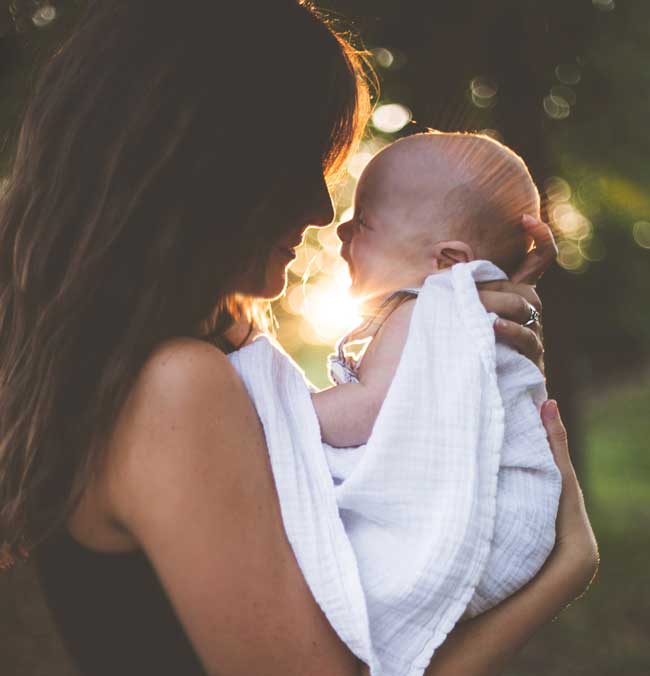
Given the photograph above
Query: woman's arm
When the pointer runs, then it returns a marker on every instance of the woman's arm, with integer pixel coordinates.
(484, 645)
(188, 475)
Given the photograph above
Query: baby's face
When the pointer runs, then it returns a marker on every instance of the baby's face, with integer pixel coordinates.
(382, 249)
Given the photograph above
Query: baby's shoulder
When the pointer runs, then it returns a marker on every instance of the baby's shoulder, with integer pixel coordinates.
(399, 319)
(391, 335)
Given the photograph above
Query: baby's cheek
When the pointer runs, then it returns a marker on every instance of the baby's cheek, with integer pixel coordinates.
(360, 260)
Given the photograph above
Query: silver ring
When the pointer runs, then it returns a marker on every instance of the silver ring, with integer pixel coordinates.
(533, 317)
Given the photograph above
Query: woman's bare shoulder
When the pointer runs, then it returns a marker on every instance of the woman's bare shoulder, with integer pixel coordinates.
(193, 486)
(183, 367)
(186, 398)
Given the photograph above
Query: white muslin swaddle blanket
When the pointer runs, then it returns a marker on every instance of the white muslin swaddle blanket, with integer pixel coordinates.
(448, 509)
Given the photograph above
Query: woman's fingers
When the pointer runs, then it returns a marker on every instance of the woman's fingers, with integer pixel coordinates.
(513, 302)
(573, 530)
(508, 300)
(522, 339)
(557, 438)
(539, 259)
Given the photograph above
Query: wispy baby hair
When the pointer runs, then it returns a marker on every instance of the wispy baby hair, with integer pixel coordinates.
(486, 189)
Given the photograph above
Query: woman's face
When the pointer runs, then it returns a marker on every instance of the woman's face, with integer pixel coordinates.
(306, 202)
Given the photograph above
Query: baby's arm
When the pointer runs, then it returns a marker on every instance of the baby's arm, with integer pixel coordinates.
(347, 413)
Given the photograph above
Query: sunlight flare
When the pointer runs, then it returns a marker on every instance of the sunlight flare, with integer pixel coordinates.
(329, 308)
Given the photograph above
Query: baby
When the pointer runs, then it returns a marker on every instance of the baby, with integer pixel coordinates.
(422, 204)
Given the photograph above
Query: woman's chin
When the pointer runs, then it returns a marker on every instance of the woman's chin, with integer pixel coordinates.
(275, 284)
(274, 289)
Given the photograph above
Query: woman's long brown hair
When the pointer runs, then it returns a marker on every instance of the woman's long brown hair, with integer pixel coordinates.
(158, 144)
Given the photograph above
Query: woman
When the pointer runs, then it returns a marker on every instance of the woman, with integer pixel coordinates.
(167, 167)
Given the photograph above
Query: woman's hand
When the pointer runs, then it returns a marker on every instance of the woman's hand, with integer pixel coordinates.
(512, 300)
(575, 544)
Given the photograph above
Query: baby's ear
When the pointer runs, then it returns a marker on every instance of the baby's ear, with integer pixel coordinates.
(448, 253)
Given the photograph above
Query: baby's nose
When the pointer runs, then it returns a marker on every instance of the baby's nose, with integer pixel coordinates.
(343, 231)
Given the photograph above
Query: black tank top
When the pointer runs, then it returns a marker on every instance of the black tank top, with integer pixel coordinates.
(112, 613)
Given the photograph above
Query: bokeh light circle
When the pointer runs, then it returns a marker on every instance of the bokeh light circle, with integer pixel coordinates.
(592, 249)
(569, 256)
(571, 222)
(306, 261)
(568, 73)
(564, 92)
(641, 234)
(328, 238)
(44, 15)
(391, 117)
(604, 5)
(557, 189)
(557, 107)
(483, 92)
(357, 163)
(483, 87)
(384, 57)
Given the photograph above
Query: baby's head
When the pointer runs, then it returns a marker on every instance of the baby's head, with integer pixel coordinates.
(430, 200)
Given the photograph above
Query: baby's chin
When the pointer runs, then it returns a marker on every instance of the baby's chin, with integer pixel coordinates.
(360, 288)
(354, 291)
(367, 295)
(371, 287)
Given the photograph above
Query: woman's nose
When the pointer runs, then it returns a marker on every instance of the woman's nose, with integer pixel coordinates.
(322, 212)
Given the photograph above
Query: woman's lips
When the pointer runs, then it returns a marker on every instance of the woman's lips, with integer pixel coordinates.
(290, 249)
